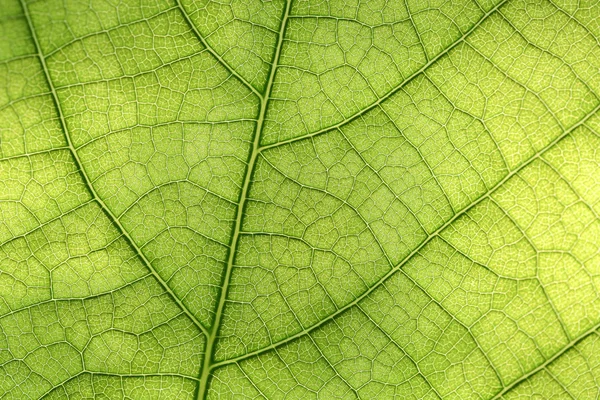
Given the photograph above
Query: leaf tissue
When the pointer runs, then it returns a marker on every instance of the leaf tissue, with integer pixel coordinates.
(299, 199)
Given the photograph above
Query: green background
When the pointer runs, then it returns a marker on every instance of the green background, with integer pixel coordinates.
(301, 199)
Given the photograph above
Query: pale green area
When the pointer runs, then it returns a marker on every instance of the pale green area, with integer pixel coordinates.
(299, 199)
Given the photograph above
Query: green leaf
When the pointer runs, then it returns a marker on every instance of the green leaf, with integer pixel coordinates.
(205, 199)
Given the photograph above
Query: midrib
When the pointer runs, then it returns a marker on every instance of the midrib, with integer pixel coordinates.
(207, 363)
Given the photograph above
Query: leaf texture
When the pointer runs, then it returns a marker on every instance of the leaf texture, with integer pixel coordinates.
(205, 199)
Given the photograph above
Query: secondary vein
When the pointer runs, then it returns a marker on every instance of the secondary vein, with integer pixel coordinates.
(214, 53)
(88, 183)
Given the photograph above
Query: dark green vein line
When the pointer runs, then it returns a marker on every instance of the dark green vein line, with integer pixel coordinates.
(116, 375)
(546, 363)
(214, 53)
(566, 389)
(416, 250)
(85, 178)
(393, 91)
(414, 26)
(33, 153)
(107, 31)
(254, 153)
(406, 354)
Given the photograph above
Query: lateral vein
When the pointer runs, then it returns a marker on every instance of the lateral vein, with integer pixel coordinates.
(214, 53)
(88, 183)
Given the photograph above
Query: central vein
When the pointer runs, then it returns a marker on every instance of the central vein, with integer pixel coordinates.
(254, 152)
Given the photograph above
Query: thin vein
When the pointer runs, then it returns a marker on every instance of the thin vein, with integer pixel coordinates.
(35, 153)
(104, 136)
(107, 31)
(45, 223)
(355, 209)
(414, 26)
(418, 150)
(251, 381)
(550, 53)
(476, 118)
(214, 53)
(335, 371)
(562, 324)
(456, 320)
(73, 299)
(408, 356)
(560, 384)
(166, 375)
(516, 82)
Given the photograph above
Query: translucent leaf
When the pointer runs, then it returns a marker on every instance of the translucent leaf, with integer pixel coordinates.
(298, 199)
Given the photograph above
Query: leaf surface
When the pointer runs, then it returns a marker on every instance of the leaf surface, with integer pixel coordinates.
(299, 199)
